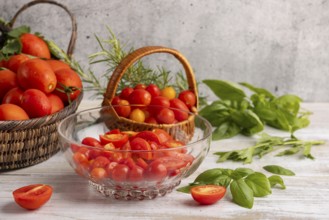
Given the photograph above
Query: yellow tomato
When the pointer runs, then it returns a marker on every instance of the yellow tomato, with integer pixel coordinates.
(137, 115)
(168, 92)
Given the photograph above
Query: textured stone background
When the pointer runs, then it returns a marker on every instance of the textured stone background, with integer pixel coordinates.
(282, 45)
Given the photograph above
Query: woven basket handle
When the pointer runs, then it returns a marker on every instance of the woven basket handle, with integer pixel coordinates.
(73, 38)
(131, 58)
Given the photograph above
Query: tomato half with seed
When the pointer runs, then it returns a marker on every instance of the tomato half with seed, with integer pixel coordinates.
(148, 136)
(208, 194)
(118, 140)
(162, 135)
(36, 74)
(90, 141)
(140, 144)
(33, 196)
(34, 45)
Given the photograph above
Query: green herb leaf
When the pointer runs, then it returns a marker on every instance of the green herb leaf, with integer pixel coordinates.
(248, 120)
(225, 130)
(274, 180)
(259, 184)
(278, 170)
(17, 32)
(242, 194)
(241, 173)
(208, 176)
(185, 189)
(12, 46)
(259, 91)
(226, 90)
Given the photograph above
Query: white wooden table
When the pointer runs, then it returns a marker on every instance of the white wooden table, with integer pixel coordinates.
(306, 195)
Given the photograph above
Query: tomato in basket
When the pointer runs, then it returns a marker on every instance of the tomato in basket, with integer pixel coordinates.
(34, 45)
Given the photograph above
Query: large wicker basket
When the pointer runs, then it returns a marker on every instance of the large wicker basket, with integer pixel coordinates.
(187, 126)
(25, 143)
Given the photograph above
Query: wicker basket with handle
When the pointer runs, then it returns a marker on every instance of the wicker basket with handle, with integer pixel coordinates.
(186, 127)
(28, 142)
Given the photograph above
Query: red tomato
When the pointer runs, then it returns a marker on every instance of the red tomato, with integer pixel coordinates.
(140, 86)
(120, 172)
(100, 161)
(123, 108)
(208, 194)
(13, 96)
(153, 90)
(98, 173)
(148, 136)
(35, 46)
(165, 116)
(57, 65)
(151, 120)
(69, 82)
(114, 131)
(115, 100)
(140, 97)
(171, 163)
(80, 158)
(162, 135)
(56, 103)
(136, 174)
(141, 162)
(157, 104)
(118, 140)
(126, 150)
(90, 141)
(181, 156)
(188, 97)
(36, 74)
(3, 63)
(129, 162)
(109, 167)
(8, 81)
(36, 103)
(15, 61)
(12, 112)
(141, 144)
(126, 92)
(155, 171)
(178, 105)
(33, 196)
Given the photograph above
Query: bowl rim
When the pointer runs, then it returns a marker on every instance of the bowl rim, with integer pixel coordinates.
(206, 136)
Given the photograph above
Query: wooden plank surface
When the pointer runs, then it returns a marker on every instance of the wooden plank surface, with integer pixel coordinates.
(306, 196)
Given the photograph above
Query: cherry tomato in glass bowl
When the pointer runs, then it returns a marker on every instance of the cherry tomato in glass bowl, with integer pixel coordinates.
(118, 140)
(32, 196)
(208, 194)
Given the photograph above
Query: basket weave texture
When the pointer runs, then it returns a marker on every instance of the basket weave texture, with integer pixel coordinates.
(186, 127)
(26, 143)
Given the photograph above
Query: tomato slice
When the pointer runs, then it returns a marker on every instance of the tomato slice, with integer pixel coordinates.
(117, 139)
(90, 141)
(208, 194)
(181, 156)
(32, 196)
(141, 144)
(162, 135)
(149, 136)
(171, 163)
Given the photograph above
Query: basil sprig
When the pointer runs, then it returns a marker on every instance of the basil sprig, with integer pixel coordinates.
(236, 113)
(244, 183)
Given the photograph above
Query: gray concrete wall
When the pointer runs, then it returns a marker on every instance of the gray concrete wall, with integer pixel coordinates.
(282, 45)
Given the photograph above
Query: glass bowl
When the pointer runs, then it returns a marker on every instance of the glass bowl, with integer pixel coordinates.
(133, 169)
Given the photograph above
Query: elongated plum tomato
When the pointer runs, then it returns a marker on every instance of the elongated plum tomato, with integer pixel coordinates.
(56, 103)
(208, 194)
(35, 103)
(7, 82)
(33, 196)
(36, 74)
(180, 109)
(13, 96)
(57, 65)
(34, 45)
(12, 112)
(15, 61)
(69, 81)
(165, 116)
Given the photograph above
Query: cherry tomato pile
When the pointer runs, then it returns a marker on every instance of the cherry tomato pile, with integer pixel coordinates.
(32, 84)
(157, 106)
(127, 156)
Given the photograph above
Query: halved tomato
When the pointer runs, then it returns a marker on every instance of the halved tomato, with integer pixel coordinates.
(33, 196)
(171, 163)
(117, 139)
(162, 135)
(90, 141)
(208, 194)
(141, 144)
(149, 136)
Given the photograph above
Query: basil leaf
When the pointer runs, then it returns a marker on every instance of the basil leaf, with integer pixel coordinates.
(226, 90)
(208, 176)
(184, 189)
(259, 184)
(17, 32)
(278, 170)
(274, 180)
(307, 151)
(242, 194)
(225, 130)
(258, 90)
(289, 103)
(249, 121)
(241, 172)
